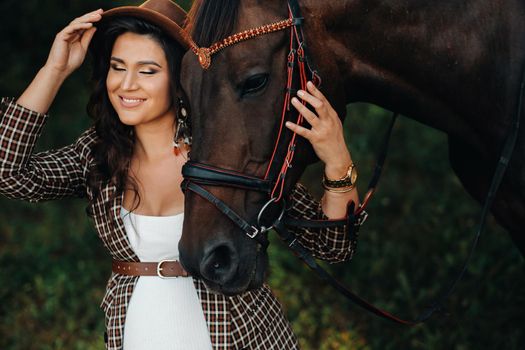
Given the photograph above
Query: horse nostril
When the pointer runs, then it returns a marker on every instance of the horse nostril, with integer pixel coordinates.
(220, 264)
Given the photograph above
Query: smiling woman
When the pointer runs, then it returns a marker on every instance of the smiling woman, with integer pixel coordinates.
(129, 150)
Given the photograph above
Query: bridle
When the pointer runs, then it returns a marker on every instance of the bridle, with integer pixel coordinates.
(273, 182)
(197, 174)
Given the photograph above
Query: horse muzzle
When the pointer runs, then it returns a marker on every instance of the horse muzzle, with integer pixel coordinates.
(228, 270)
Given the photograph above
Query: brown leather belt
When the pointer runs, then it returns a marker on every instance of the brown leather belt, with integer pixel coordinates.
(162, 269)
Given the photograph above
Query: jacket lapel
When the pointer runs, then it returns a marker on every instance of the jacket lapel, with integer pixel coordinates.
(118, 242)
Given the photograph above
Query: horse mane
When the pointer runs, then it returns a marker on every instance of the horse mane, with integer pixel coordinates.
(210, 21)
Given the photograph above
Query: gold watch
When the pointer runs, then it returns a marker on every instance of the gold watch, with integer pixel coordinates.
(344, 184)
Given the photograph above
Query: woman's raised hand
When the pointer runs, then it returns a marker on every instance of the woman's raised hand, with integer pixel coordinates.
(70, 46)
(326, 133)
(327, 139)
(67, 54)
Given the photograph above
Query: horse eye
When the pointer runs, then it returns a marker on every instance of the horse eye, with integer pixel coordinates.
(254, 84)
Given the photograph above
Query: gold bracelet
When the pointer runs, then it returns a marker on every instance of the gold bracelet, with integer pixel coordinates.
(348, 180)
(339, 189)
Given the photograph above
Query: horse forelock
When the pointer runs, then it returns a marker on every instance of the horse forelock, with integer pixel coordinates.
(210, 21)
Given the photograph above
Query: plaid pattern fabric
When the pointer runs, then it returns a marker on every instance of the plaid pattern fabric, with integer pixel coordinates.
(253, 320)
(331, 244)
(46, 175)
(258, 322)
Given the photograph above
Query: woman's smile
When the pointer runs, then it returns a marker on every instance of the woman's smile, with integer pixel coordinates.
(129, 102)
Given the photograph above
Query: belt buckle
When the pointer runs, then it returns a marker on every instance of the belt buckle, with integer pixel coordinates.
(159, 269)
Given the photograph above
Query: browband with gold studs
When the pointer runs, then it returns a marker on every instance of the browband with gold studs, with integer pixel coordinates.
(204, 53)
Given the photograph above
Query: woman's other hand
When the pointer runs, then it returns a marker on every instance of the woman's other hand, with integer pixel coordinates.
(327, 138)
(326, 133)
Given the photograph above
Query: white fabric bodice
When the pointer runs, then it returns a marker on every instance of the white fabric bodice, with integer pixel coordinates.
(163, 314)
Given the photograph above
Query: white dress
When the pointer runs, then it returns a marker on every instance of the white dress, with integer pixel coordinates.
(163, 314)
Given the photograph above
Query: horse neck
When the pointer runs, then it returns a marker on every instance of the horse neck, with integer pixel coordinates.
(425, 59)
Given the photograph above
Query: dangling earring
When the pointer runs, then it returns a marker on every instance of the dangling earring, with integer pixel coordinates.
(183, 133)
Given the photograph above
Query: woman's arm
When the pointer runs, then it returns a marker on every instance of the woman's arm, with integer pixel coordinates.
(333, 244)
(56, 173)
(42, 176)
(66, 55)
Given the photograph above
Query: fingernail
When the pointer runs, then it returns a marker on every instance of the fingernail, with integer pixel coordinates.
(288, 124)
(310, 85)
(300, 93)
(295, 100)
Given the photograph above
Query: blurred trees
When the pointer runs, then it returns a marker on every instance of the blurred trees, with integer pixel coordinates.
(53, 267)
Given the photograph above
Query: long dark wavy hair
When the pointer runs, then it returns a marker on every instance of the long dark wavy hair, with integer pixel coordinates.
(115, 142)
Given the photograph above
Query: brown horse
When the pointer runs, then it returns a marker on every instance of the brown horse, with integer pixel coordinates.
(454, 65)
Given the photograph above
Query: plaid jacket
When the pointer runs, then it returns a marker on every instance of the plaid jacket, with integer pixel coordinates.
(253, 320)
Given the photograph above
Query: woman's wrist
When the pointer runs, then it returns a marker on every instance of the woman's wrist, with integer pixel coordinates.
(335, 172)
(54, 73)
(337, 169)
(42, 91)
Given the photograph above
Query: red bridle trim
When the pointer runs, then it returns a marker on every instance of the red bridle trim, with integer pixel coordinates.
(279, 186)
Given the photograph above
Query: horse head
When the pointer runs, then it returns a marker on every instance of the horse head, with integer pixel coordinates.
(423, 60)
(236, 107)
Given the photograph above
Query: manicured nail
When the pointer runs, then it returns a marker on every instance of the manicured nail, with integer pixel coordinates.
(310, 85)
(300, 93)
(288, 124)
(295, 100)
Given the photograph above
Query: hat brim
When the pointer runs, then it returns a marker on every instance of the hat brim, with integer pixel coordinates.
(170, 27)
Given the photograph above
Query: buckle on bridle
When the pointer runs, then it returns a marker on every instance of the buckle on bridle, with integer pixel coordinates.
(263, 229)
(255, 232)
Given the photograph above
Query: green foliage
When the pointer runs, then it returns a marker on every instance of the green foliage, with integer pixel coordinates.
(53, 267)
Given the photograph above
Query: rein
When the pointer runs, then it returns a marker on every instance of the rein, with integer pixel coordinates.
(196, 174)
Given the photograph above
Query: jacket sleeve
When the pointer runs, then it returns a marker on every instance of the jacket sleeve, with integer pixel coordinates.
(332, 244)
(42, 176)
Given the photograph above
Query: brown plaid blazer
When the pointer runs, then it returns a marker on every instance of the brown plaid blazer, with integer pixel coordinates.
(253, 320)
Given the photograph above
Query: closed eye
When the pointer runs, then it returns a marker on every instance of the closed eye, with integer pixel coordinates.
(117, 68)
(120, 69)
(254, 84)
(149, 72)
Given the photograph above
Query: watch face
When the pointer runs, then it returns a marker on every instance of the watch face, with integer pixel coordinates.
(353, 175)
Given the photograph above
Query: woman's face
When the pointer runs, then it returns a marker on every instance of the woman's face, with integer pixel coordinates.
(138, 81)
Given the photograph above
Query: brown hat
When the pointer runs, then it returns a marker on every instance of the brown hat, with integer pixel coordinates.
(164, 13)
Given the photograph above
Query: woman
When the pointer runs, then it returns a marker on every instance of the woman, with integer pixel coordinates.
(125, 166)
